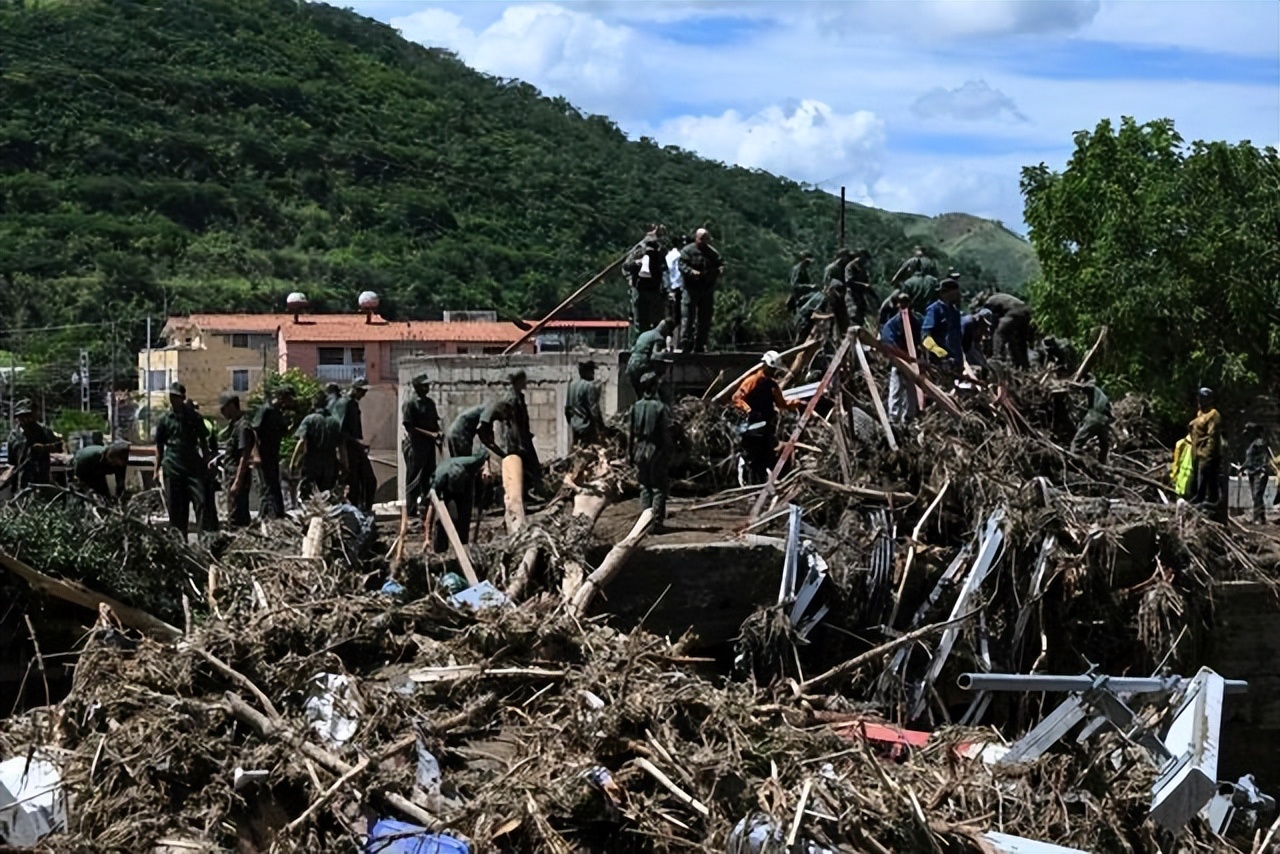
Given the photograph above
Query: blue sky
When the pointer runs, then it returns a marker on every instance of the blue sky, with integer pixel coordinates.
(928, 106)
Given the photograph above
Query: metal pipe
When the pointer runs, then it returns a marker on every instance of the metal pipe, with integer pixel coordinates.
(1076, 684)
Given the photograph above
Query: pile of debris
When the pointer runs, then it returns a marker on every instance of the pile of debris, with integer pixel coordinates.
(310, 689)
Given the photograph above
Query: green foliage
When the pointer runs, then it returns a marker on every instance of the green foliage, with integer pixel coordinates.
(305, 389)
(70, 421)
(1174, 247)
(159, 157)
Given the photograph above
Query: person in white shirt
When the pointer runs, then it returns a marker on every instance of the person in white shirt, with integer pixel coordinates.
(675, 287)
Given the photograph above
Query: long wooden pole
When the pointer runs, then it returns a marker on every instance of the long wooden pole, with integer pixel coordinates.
(910, 334)
(789, 448)
(451, 532)
(875, 398)
(568, 301)
(725, 392)
(911, 372)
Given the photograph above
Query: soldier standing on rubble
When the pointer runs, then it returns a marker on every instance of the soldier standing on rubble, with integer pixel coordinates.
(760, 397)
(456, 481)
(647, 346)
(700, 267)
(92, 463)
(919, 264)
(923, 289)
(903, 404)
(646, 268)
(318, 437)
(361, 481)
(421, 423)
(675, 290)
(834, 272)
(30, 445)
(649, 448)
(270, 428)
(941, 325)
(242, 443)
(857, 283)
(512, 410)
(1012, 338)
(461, 437)
(974, 328)
(182, 457)
(582, 407)
(1206, 445)
(1096, 423)
(1256, 460)
(801, 282)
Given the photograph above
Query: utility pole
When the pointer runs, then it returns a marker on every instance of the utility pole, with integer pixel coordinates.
(84, 380)
(840, 245)
(146, 381)
(13, 383)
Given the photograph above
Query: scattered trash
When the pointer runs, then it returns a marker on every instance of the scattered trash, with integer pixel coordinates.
(32, 802)
(388, 836)
(481, 596)
(332, 708)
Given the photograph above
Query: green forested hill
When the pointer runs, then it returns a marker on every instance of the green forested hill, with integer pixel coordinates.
(209, 154)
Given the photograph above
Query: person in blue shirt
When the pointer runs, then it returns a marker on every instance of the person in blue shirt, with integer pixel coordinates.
(941, 326)
(902, 395)
(974, 328)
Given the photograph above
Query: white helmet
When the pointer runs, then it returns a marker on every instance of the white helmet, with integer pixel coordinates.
(771, 359)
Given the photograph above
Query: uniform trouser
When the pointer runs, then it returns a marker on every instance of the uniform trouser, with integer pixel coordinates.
(460, 513)
(209, 512)
(1093, 430)
(420, 464)
(238, 504)
(1013, 333)
(97, 484)
(181, 492)
(1258, 490)
(699, 305)
(654, 485)
(648, 306)
(1206, 491)
(760, 452)
(674, 298)
(270, 491)
(460, 446)
(316, 480)
(361, 481)
(903, 403)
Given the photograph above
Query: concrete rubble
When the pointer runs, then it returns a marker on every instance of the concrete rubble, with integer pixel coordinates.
(828, 662)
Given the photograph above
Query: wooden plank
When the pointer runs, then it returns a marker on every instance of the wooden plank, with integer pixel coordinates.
(909, 334)
(910, 372)
(1088, 357)
(789, 448)
(875, 397)
(513, 492)
(723, 394)
(454, 540)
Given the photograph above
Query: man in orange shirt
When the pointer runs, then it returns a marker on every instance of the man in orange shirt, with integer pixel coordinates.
(760, 397)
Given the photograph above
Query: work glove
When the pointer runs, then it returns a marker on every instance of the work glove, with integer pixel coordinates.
(934, 347)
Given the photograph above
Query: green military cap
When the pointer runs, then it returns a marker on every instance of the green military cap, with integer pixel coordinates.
(517, 376)
(286, 390)
(589, 364)
(227, 398)
(844, 252)
(648, 380)
(178, 389)
(360, 382)
(22, 407)
(421, 379)
(948, 285)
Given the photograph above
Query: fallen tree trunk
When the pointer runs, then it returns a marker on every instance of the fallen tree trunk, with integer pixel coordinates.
(513, 492)
(78, 594)
(611, 565)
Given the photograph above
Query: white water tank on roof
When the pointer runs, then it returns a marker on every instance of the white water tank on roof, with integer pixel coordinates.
(368, 301)
(296, 301)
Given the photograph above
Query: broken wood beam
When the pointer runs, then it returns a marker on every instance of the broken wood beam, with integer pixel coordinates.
(875, 396)
(446, 522)
(78, 594)
(513, 492)
(611, 565)
(568, 301)
(859, 491)
(723, 394)
(1089, 357)
(883, 649)
(314, 540)
(911, 373)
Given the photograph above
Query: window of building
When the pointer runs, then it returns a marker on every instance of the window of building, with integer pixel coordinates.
(157, 380)
(240, 339)
(240, 380)
(357, 355)
(331, 355)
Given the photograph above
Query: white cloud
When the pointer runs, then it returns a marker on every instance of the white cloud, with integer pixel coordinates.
(974, 101)
(560, 50)
(806, 141)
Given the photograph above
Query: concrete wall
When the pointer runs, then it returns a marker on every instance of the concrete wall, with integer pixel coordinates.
(205, 370)
(1245, 644)
(460, 382)
(690, 374)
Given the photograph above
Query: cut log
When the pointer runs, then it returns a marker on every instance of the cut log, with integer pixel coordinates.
(611, 565)
(446, 522)
(78, 594)
(513, 491)
(313, 542)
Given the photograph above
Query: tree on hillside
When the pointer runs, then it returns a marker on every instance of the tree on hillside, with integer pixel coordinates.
(1174, 247)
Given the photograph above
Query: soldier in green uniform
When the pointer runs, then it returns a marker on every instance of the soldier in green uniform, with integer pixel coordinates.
(512, 410)
(421, 436)
(182, 456)
(455, 483)
(318, 437)
(462, 431)
(857, 282)
(92, 463)
(800, 278)
(649, 448)
(361, 481)
(30, 446)
(646, 347)
(270, 428)
(582, 407)
(700, 267)
(646, 269)
(918, 263)
(1096, 424)
(242, 442)
(834, 272)
(922, 288)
